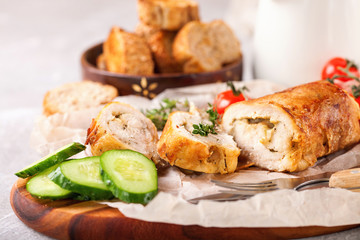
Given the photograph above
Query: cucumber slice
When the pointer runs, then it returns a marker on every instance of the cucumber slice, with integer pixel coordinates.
(41, 186)
(130, 176)
(50, 160)
(82, 176)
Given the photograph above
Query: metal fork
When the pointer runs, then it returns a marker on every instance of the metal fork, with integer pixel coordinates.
(246, 190)
(271, 185)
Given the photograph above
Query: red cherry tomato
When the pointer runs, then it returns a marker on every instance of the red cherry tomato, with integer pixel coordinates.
(225, 99)
(332, 68)
(358, 100)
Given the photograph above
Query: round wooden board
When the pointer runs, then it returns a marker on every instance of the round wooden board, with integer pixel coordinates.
(71, 219)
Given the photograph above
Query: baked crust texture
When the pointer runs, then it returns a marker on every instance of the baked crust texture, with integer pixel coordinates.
(211, 154)
(167, 14)
(289, 130)
(120, 126)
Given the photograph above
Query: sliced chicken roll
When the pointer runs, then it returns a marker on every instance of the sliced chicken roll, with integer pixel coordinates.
(120, 126)
(209, 154)
(289, 130)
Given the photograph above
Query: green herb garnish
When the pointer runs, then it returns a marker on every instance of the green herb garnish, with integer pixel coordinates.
(204, 129)
(213, 114)
(160, 115)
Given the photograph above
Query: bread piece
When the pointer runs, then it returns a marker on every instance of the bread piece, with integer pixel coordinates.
(201, 47)
(127, 53)
(76, 96)
(161, 48)
(100, 62)
(210, 154)
(146, 31)
(289, 130)
(120, 126)
(160, 43)
(167, 14)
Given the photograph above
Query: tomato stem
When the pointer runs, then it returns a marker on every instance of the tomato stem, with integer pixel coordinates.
(239, 91)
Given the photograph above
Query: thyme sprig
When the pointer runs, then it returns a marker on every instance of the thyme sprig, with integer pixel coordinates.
(204, 129)
(160, 115)
(213, 114)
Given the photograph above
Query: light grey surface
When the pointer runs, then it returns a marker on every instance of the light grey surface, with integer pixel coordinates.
(40, 47)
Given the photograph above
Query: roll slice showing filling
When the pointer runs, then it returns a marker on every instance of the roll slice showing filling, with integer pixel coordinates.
(210, 154)
(289, 130)
(120, 126)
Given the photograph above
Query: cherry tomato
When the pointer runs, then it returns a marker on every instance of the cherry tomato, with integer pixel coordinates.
(331, 68)
(345, 85)
(225, 99)
(358, 100)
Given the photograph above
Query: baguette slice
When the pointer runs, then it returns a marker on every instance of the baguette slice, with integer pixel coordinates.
(289, 130)
(146, 31)
(211, 154)
(161, 48)
(127, 53)
(100, 62)
(201, 47)
(167, 14)
(120, 126)
(76, 96)
(160, 43)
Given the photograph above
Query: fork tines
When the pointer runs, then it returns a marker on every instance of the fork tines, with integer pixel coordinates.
(261, 186)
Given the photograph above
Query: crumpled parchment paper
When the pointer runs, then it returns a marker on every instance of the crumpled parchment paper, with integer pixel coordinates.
(283, 208)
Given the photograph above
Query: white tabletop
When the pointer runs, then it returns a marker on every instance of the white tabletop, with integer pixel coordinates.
(40, 47)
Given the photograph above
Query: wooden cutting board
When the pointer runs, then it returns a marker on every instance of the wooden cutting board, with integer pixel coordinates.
(71, 219)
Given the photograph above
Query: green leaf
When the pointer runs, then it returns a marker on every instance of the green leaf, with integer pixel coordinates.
(204, 129)
(213, 115)
(160, 115)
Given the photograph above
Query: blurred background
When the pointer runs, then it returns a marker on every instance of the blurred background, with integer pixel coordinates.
(287, 42)
(41, 41)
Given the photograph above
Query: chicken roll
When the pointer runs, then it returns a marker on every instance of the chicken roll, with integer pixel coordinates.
(289, 130)
(214, 153)
(120, 126)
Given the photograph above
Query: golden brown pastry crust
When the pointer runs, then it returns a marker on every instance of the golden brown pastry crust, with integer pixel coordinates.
(194, 154)
(102, 137)
(160, 43)
(161, 48)
(324, 119)
(127, 53)
(167, 14)
(326, 115)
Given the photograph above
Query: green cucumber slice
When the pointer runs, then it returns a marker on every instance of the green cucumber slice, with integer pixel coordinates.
(82, 176)
(50, 160)
(130, 175)
(41, 186)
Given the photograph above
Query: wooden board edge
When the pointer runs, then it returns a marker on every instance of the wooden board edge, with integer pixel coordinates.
(92, 220)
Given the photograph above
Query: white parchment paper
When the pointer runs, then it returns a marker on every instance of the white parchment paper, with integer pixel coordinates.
(283, 208)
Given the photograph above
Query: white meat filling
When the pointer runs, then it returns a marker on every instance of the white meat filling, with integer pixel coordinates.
(185, 122)
(264, 139)
(131, 130)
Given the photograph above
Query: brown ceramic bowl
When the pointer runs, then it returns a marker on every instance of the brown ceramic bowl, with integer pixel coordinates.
(151, 85)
